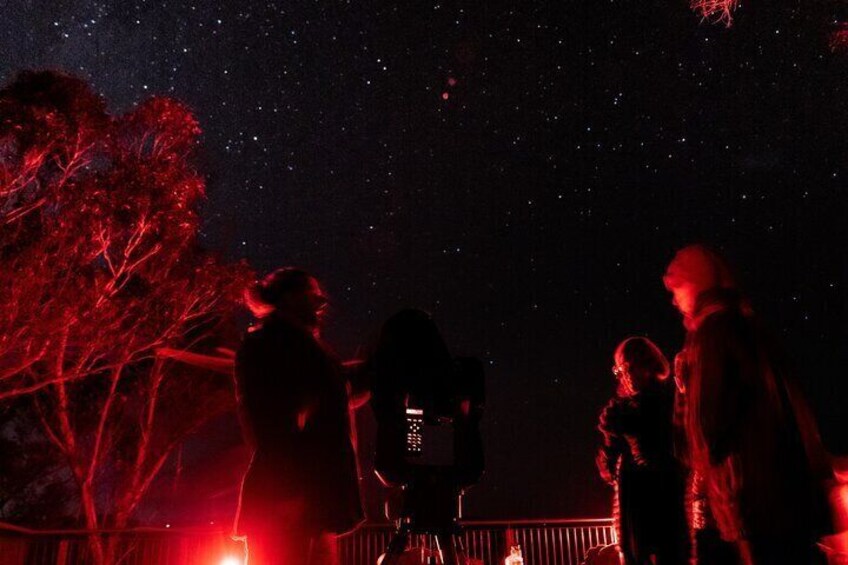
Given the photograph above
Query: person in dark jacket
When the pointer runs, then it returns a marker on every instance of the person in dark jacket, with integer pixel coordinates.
(705, 540)
(637, 457)
(301, 489)
(750, 437)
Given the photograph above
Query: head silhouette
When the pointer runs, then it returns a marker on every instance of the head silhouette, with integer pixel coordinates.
(639, 363)
(694, 270)
(290, 293)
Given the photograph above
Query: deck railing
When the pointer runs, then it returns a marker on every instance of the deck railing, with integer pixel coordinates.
(543, 542)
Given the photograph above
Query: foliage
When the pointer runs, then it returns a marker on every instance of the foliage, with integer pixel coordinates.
(715, 10)
(100, 266)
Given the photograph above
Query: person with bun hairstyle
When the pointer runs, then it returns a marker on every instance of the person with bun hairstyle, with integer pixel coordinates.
(637, 458)
(301, 489)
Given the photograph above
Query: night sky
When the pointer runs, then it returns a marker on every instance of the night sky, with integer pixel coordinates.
(524, 173)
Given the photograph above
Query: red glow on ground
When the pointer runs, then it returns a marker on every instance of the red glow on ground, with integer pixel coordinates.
(445, 95)
(715, 10)
(231, 561)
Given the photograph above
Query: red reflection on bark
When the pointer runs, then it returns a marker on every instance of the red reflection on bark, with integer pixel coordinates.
(715, 10)
(100, 266)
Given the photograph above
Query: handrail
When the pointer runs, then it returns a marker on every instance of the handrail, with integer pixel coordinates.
(70, 532)
(205, 530)
(544, 541)
(536, 522)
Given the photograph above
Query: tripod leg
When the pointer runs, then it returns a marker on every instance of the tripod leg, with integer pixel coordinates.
(458, 549)
(395, 550)
(457, 542)
(447, 555)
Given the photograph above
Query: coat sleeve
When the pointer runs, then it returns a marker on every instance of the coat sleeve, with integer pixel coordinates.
(615, 420)
(726, 367)
(272, 402)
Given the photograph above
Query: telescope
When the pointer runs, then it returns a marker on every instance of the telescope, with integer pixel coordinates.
(428, 406)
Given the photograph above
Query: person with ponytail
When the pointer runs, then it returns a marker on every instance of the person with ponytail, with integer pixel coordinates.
(301, 489)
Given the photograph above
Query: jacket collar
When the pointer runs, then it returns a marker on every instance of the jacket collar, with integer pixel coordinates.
(718, 300)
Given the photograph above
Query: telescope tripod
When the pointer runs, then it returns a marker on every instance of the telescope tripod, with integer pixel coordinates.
(429, 523)
(442, 547)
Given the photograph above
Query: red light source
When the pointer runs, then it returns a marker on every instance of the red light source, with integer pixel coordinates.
(445, 95)
(231, 561)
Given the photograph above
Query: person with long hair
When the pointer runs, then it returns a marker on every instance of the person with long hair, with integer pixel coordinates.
(301, 489)
(637, 457)
(751, 441)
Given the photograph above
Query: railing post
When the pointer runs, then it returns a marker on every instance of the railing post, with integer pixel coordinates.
(62, 553)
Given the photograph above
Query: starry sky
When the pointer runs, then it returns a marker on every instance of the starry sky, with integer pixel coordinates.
(522, 170)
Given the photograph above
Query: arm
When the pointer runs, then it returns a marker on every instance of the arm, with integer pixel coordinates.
(614, 444)
(726, 364)
(222, 363)
(359, 376)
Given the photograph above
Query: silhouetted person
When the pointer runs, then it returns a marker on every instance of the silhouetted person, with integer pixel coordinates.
(638, 458)
(301, 488)
(708, 548)
(750, 437)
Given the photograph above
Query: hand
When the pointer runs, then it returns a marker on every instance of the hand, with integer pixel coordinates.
(302, 418)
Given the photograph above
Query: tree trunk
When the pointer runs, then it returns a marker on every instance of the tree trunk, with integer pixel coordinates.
(95, 541)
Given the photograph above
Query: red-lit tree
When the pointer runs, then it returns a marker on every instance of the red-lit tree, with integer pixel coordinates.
(99, 267)
(715, 10)
(826, 16)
